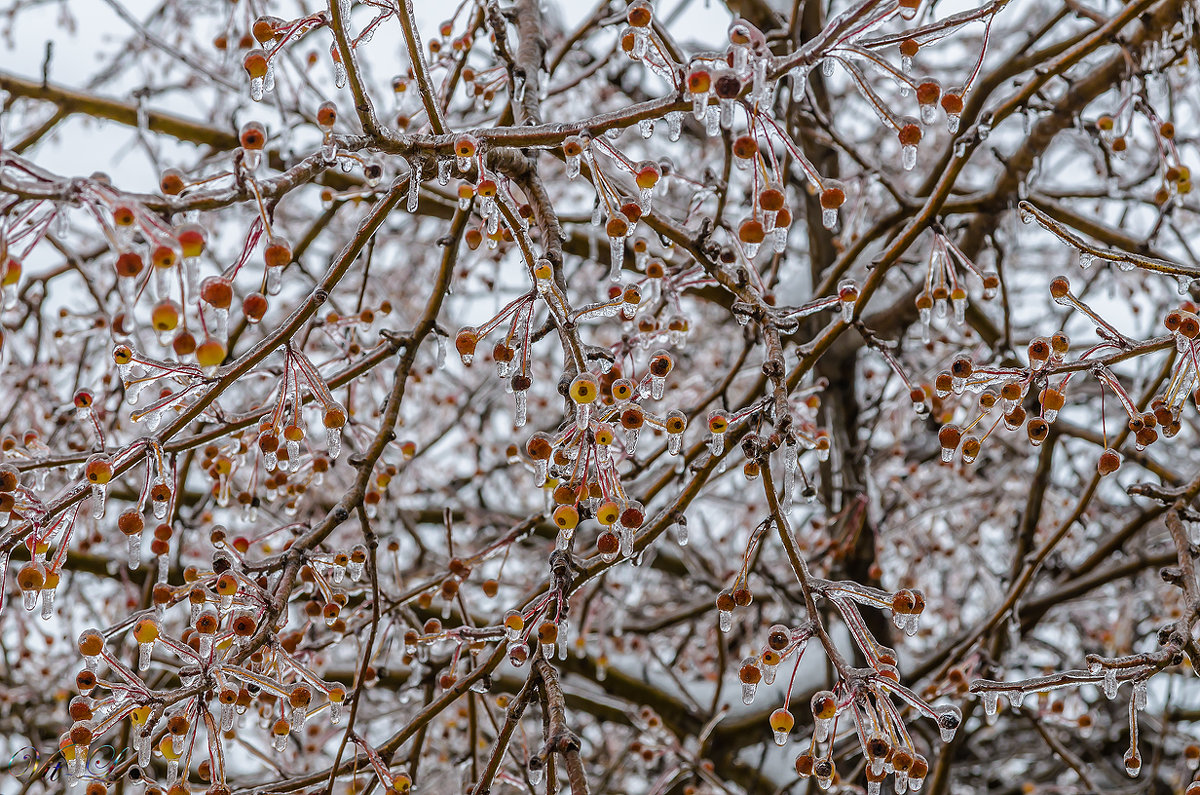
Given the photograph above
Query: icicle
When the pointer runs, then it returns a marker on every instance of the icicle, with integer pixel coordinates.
(716, 443)
(674, 125)
(256, 89)
(959, 305)
(573, 162)
(414, 189)
(135, 550)
(339, 80)
(674, 443)
(206, 644)
(700, 106)
(646, 127)
(989, 702)
(645, 199)
(47, 603)
(274, 280)
(748, 689)
(227, 715)
(908, 157)
(144, 652)
(769, 671)
(583, 413)
(821, 727)
(444, 166)
(1139, 695)
(333, 442)
(521, 409)
(631, 440)
(952, 120)
(335, 712)
(616, 248)
(712, 122)
(439, 352)
(725, 620)
(829, 217)
(726, 113)
(681, 532)
(626, 536)
(280, 740)
(779, 238)
(99, 491)
(1110, 683)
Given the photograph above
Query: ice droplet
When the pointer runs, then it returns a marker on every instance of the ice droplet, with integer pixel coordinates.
(725, 620)
(989, 702)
